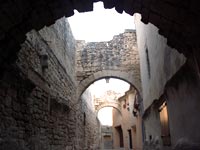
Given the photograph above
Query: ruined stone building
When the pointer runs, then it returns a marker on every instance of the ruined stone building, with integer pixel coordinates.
(45, 73)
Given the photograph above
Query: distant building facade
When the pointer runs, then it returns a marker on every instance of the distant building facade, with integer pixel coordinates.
(127, 125)
(106, 137)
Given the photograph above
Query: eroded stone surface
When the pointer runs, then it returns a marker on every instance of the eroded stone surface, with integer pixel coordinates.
(119, 54)
(38, 109)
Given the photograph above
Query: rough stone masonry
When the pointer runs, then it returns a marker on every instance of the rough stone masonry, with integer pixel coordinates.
(118, 54)
(39, 107)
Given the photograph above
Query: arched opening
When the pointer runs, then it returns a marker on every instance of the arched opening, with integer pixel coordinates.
(105, 94)
(47, 13)
(114, 103)
(126, 77)
(31, 86)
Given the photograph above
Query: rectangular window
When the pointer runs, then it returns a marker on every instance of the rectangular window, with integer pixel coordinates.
(148, 63)
(165, 132)
(84, 118)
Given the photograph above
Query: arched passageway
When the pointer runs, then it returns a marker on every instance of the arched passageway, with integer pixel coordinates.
(121, 115)
(27, 93)
(177, 20)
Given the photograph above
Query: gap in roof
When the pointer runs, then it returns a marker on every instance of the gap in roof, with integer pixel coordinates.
(100, 24)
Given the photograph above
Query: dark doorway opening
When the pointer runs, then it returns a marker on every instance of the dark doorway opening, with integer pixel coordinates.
(120, 133)
(130, 139)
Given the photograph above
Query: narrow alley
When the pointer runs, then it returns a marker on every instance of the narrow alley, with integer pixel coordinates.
(46, 97)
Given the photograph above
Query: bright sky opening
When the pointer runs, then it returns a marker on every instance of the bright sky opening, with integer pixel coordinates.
(105, 116)
(100, 87)
(100, 24)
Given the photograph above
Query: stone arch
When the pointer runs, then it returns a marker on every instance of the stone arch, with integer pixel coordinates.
(177, 20)
(109, 104)
(125, 76)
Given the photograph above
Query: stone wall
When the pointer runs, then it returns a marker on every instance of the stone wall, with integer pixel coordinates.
(167, 76)
(182, 97)
(106, 137)
(158, 62)
(119, 54)
(34, 117)
(90, 129)
(38, 94)
(60, 39)
(183, 104)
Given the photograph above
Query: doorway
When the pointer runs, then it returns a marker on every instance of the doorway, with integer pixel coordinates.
(130, 139)
(120, 135)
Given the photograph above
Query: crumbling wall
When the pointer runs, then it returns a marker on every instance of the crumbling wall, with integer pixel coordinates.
(119, 54)
(60, 40)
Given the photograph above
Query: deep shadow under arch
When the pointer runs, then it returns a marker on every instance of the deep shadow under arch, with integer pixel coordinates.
(177, 20)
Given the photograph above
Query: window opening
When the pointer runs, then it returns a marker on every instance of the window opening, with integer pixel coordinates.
(148, 63)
